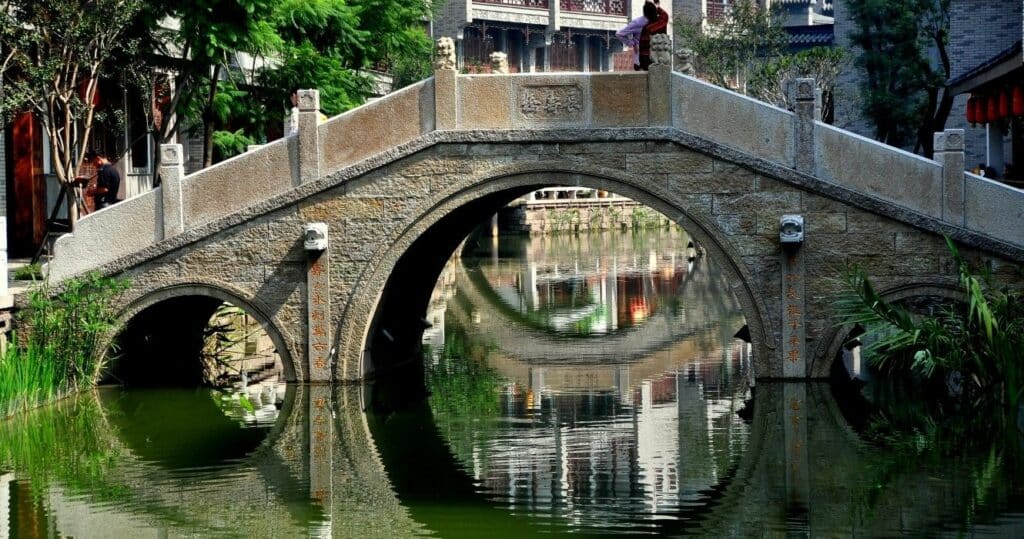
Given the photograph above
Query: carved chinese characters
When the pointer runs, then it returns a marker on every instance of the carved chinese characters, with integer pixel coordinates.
(554, 102)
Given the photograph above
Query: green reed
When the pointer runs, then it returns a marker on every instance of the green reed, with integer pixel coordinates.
(59, 341)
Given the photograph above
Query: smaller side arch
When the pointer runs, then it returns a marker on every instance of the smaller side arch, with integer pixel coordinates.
(836, 336)
(283, 341)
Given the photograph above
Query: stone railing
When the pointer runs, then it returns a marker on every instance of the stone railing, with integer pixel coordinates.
(789, 145)
(604, 7)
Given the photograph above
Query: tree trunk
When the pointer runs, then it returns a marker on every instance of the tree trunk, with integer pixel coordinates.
(208, 119)
(72, 201)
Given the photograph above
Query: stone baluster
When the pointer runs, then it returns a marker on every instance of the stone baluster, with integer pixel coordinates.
(949, 152)
(445, 105)
(807, 106)
(172, 175)
(659, 81)
(309, 135)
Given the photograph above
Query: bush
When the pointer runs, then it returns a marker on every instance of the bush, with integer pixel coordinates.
(57, 349)
(971, 347)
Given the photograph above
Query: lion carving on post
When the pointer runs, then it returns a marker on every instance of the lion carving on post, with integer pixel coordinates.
(444, 54)
(684, 61)
(661, 50)
(499, 63)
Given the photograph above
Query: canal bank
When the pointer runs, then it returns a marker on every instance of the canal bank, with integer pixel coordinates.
(576, 209)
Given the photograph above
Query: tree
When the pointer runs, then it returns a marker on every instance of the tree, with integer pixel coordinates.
(746, 52)
(904, 93)
(57, 52)
(732, 49)
(773, 81)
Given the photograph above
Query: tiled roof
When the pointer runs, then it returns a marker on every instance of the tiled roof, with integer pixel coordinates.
(1013, 50)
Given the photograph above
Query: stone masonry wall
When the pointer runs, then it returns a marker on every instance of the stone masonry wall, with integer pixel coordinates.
(730, 209)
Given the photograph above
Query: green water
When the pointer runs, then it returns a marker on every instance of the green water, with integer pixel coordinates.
(644, 420)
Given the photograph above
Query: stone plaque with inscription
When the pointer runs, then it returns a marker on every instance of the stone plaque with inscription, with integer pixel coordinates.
(551, 102)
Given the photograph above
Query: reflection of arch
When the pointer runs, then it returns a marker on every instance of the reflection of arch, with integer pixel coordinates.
(223, 292)
(494, 189)
(533, 345)
(836, 336)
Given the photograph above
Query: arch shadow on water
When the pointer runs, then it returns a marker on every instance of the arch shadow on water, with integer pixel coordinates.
(436, 485)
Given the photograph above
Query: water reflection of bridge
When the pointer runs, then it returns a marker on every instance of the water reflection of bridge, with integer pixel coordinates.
(397, 481)
(701, 302)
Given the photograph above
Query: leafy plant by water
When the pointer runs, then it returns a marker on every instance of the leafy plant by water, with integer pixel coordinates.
(59, 334)
(949, 382)
(972, 348)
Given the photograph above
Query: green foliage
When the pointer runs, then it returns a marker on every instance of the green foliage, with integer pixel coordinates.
(228, 144)
(461, 384)
(732, 50)
(70, 444)
(977, 341)
(30, 272)
(58, 346)
(771, 82)
(54, 54)
(901, 82)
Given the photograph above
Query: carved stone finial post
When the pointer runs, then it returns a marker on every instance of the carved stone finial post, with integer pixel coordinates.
(499, 63)
(949, 152)
(659, 82)
(172, 173)
(444, 84)
(684, 62)
(661, 50)
(807, 106)
(309, 135)
(444, 54)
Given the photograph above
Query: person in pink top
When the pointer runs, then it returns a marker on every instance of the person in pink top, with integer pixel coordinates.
(637, 34)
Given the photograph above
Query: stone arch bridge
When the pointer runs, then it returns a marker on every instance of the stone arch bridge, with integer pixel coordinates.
(400, 181)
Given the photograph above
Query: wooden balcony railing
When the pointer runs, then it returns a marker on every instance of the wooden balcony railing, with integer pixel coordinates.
(602, 7)
(540, 4)
(716, 11)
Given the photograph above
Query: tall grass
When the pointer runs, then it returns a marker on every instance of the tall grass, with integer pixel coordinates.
(57, 349)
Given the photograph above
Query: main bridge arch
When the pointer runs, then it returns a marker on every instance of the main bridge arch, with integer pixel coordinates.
(403, 272)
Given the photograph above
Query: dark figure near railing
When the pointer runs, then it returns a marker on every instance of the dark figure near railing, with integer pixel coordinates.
(108, 181)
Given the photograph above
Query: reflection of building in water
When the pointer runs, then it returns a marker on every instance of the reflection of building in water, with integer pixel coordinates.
(598, 285)
(635, 413)
(433, 336)
(583, 437)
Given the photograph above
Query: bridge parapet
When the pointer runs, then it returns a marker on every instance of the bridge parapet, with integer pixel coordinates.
(612, 106)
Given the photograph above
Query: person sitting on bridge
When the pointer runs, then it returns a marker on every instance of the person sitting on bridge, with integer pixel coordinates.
(108, 181)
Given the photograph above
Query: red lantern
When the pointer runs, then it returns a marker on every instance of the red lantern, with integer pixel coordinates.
(1017, 103)
(972, 114)
(1004, 103)
(993, 108)
(980, 110)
